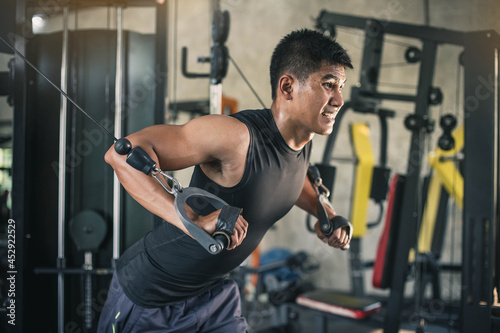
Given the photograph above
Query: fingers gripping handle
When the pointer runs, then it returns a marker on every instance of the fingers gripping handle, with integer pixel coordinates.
(324, 223)
(221, 239)
(327, 226)
(225, 225)
(335, 223)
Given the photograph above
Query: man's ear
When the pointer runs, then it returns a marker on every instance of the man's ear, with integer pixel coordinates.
(285, 86)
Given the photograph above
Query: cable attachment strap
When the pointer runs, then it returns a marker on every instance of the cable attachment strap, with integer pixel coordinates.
(214, 244)
(176, 188)
(323, 193)
(339, 222)
(327, 226)
(315, 179)
(140, 160)
(225, 224)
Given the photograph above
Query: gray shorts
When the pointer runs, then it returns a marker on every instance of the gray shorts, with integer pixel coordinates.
(217, 310)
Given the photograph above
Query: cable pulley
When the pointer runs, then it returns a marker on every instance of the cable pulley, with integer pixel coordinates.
(140, 160)
(446, 140)
(413, 54)
(221, 239)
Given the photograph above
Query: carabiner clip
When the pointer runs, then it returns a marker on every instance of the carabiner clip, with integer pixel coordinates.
(176, 188)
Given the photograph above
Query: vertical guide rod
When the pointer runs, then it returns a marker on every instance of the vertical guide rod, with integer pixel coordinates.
(407, 234)
(480, 180)
(62, 175)
(118, 132)
(215, 98)
(497, 168)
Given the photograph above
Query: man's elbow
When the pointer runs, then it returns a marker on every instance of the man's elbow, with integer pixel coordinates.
(111, 156)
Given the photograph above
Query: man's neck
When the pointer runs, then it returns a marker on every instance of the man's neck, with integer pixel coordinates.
(292, 131)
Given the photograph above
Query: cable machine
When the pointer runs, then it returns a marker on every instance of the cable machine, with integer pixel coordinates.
(119, 88)
(481, 170)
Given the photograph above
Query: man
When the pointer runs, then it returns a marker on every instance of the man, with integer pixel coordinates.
(256, 160)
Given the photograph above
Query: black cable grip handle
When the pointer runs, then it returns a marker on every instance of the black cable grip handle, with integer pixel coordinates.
(221, 239)
(327, 226)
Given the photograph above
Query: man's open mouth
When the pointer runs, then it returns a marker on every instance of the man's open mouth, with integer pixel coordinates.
(329, 115)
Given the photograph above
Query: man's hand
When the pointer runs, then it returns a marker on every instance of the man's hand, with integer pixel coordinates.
(338, 239)
(209, 222)
(239, 233)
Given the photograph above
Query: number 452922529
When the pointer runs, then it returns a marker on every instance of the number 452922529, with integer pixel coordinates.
(11, 244)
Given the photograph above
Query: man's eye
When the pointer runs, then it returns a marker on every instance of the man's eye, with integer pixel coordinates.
(328, 85)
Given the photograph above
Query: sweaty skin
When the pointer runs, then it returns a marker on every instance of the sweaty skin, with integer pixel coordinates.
(188, 150)
(219, 144)
(310, 108)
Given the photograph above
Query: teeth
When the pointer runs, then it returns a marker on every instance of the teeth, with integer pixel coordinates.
(328, 115)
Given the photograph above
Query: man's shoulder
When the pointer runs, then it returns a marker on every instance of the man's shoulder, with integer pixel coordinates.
(253, 114)
(255, 118)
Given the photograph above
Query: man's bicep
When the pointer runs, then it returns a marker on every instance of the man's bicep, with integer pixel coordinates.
(201, 140)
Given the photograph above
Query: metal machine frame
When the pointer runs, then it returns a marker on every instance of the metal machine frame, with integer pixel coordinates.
(481, 192)
(481, 173)
(21, 169)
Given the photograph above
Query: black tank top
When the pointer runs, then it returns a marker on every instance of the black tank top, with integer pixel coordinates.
(166, 265)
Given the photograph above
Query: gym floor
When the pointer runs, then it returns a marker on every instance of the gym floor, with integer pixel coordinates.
(345, 325)
(307, 320)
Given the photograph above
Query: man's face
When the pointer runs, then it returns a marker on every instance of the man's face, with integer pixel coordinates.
(319, 98)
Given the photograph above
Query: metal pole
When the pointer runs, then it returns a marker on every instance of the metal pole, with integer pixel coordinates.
(118, 131)
(216, 98)
(161, 76)
(88, 266)
(20, 175)
(409, 210)
(161, 61)
(480, 180)
(62, 175)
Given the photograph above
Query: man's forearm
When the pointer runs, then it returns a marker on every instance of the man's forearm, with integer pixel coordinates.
(308, 201)
(144, 188)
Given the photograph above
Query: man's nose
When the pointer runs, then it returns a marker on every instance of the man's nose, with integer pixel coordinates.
(336, 99)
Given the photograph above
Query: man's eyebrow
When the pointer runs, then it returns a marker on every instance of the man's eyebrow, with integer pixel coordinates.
(331, 76)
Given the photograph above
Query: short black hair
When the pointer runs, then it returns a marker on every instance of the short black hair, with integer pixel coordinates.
(303, 52)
